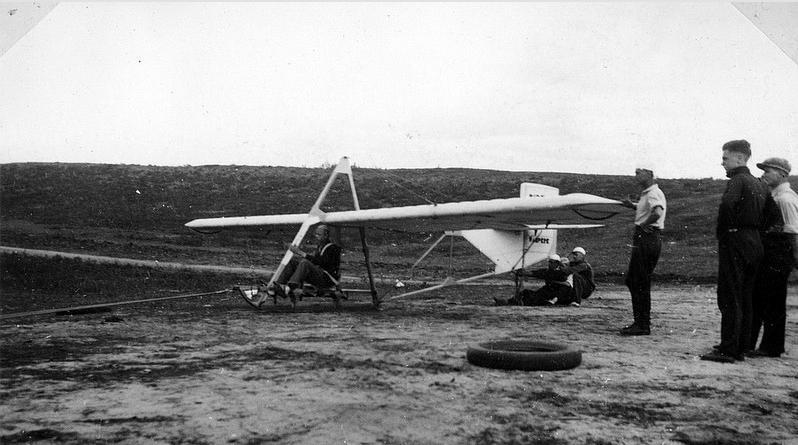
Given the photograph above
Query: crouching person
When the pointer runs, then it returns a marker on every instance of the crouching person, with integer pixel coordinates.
(558, 288)
(584, 284)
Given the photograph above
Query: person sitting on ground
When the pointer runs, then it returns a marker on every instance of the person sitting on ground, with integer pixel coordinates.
(583, 272)
(579, 286)
(575, 281)
(320, 268)
(557, 289)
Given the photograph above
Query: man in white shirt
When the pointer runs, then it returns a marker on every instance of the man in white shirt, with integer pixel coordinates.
(780, 241)
(646, 247)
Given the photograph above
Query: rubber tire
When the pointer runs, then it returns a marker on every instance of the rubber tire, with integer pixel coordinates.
(525, 355)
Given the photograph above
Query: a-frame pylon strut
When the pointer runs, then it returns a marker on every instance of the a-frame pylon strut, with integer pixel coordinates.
(316, 216)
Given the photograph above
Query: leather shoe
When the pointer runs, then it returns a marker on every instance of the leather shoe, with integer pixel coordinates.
(718, 356)
(635, 330)
(277, 289)
(761, 353)
(738, 357)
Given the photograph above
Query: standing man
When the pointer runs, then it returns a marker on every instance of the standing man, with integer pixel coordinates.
(646, 246)
(740, 216)
(780, 242)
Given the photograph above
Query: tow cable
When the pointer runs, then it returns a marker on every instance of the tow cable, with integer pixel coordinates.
(102, 305)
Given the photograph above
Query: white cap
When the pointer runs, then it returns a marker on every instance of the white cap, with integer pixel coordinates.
(579, 250)
(554, 257)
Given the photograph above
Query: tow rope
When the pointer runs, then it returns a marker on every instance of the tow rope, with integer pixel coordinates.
(101, 305)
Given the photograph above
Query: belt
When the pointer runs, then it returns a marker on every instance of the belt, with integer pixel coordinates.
(737, 229)
(653, 227)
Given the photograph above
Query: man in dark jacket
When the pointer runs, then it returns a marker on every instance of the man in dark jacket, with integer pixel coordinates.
(740, 251)
(584, 285)
(557, 289)
(320, 268)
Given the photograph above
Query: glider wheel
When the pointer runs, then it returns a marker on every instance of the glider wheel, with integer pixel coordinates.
(525, 355)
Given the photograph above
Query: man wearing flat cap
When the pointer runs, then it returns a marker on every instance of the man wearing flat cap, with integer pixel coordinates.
(780, 242)
(650, 212)
(740, 251)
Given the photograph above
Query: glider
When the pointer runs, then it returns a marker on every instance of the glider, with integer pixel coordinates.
(513, 233)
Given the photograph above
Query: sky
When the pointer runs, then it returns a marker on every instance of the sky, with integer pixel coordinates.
(595, 88)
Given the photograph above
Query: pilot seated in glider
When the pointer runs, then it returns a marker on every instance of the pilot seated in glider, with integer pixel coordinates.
(558, 289)
(320, 268)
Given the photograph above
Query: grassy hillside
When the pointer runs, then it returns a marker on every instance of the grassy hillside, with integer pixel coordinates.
(129, 210)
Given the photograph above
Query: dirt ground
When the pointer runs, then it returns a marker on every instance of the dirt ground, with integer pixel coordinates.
(214, 370)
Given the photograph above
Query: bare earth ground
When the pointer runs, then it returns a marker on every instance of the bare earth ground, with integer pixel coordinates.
(213, 370)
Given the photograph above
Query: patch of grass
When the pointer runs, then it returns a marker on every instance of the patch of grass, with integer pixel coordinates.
(546, 396)
(44, 434)
(31, 283)
(715, 435)
(517, 433)
(133, 419)
(17, 357)
(644, 414)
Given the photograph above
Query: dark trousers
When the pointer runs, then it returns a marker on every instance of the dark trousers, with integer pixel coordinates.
(646, 248)
(769, 304)
(582, 288)
(561, 293)
(739, 255)
(300, 271)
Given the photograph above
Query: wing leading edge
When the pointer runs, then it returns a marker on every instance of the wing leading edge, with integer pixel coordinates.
(503, 214)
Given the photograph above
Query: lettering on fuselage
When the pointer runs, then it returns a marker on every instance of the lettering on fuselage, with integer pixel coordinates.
(539, 240)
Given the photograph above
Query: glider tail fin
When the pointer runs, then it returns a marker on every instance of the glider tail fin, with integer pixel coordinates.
(511, 250)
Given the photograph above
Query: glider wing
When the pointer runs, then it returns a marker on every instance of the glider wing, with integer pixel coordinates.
(503, 214)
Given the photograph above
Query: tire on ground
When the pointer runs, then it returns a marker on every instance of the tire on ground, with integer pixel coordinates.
(524, 355)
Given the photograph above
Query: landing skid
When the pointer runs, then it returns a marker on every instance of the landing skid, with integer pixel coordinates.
(256, 296)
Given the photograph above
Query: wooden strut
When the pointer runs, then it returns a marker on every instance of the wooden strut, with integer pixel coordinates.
(375, 299)
(519, 277)
(316, 215)
(451, 256)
